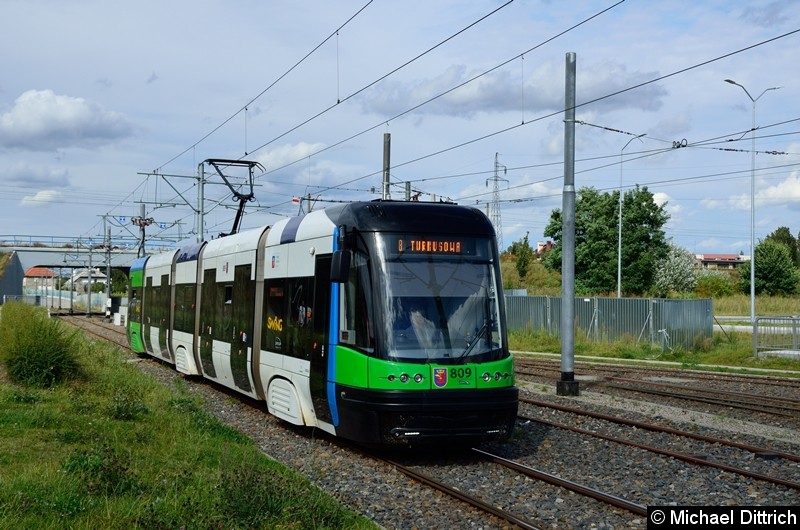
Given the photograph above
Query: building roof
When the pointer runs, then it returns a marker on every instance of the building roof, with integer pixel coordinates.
(731, 257)
(39, 272)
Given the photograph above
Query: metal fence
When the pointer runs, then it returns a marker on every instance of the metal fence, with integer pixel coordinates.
(777, 336)
(55, 299)
(662, 322)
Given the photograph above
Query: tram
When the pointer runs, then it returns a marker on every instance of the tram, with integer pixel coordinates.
(382, 322)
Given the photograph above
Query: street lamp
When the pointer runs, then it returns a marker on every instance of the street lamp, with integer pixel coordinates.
(752, 199)
(619, 235)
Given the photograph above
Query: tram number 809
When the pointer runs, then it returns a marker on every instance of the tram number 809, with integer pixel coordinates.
(460, 373)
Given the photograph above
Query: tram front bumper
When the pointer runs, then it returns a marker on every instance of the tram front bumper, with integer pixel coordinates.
(406, 417)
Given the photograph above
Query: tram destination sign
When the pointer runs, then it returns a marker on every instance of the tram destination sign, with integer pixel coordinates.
(426, 245)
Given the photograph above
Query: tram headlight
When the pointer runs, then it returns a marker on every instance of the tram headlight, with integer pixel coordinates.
(418, 378)
(391, 378)
(404, 378)
(486, 377)
(497, 376)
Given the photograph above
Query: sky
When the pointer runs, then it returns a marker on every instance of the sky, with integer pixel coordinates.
(108, 109)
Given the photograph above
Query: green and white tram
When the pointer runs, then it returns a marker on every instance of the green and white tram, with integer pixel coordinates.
(382, 322)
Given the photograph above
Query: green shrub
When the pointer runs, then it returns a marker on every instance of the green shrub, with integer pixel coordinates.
(36, 350)
(713, 284)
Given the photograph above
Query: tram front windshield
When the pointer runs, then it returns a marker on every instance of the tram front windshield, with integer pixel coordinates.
(438, 299)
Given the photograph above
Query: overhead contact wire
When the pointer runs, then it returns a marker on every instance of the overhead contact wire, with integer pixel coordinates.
(287, 72)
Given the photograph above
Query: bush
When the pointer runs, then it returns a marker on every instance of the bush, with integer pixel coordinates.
(713, 284)
(35, 350)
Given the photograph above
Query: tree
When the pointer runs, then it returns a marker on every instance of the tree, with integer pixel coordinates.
(523, 254)
(675, 273)
(596, 240)
(775, 273)
(784, 236)
(119, 282)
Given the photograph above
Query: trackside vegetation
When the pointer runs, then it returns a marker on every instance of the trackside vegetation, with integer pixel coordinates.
(35, 350)
(725, 352)
(88, 441)
(724, 348)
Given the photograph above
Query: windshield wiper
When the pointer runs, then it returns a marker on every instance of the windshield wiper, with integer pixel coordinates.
(481, 332)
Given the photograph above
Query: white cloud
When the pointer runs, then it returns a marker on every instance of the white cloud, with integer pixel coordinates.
(785, 193)
(288, 154)
(502, 91)
(42, 198)
(41, 120)
(712, 204)
(661, 199)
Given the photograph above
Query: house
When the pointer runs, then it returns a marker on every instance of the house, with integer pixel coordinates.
(542, 247)
(38, 278)
(80, 278)
(720, 261)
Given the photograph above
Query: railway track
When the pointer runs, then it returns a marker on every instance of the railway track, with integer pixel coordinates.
(525, 365)
(776, 405)
(566, 466)
(684, 456)
(770, 398)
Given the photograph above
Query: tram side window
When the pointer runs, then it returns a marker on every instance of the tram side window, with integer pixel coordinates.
(184, 307)
(134, 306)
(229, 294)
(289, 316)
(273, 337)
(357, 310)
(298, 319)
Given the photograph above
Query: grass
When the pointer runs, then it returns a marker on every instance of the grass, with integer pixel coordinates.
(739, 305)
(109, 447)
(731, 349)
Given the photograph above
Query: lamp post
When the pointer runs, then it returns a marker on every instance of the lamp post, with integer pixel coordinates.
(752, 199)
(619, 235)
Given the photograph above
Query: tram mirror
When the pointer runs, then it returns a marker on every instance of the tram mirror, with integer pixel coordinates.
(340, 266)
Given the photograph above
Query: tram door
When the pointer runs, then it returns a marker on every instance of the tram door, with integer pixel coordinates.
(149, 306)
(319, 353)
(162, 299)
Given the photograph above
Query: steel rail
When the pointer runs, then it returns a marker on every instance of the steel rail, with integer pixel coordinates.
(783, 402)
(674, 454)
(765, 409)
(608, 498)
(469, 499)
(761, 451)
